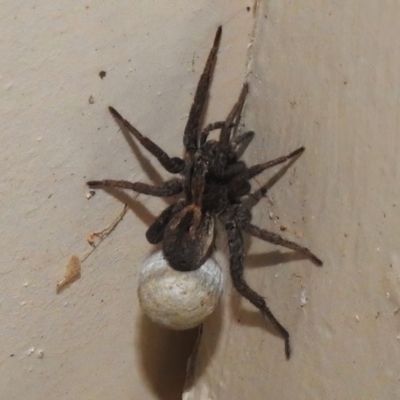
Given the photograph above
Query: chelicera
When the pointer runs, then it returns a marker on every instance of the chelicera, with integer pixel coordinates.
(213, 182)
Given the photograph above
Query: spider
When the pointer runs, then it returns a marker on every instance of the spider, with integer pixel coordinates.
(212, 181)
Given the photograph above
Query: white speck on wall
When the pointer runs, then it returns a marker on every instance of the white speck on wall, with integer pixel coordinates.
(30, 351)
(39, 353)
(90, 194)
(303, 298)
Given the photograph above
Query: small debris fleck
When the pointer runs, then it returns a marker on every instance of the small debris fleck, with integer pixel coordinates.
(30, 351)
(357, 318)
(102, 74)
(303, 298)
(91, 99)
(71, 274)
(40, 353)
(91, 238)
(90, 194)
(95, 238)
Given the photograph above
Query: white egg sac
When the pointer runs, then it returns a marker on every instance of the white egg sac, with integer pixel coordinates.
(175, 299)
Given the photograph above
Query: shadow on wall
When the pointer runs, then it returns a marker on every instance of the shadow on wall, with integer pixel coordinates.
(165, 354)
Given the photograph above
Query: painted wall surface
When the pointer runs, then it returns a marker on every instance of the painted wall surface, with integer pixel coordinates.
(91, 341)
(322, 74)
(325, 75)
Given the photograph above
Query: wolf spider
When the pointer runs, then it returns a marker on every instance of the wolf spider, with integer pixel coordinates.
(212, 181)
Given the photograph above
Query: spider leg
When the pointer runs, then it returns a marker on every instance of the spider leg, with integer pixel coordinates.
(257, 169)
(173, 165)
(244, 137)
(210, 127)
(155, 232)
(192, 128)
(169, 188)
(271, 237)
(236, 250)
(239, 143)
(234, 115)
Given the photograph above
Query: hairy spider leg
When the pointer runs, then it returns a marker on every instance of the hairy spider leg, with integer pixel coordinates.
(240, 142)
(240, 182)
(210, 127)
(193, 125)
(155, 232)
(167, 189)
(234, 115)
(173, 165)
(231, 121)
(265, 234)
(274, 238)
(235, 243)
(253, 171)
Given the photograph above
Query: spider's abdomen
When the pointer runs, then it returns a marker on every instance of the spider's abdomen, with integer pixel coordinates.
(188, 238)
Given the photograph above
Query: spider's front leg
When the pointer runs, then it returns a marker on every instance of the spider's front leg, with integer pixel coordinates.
(167, 189)
(236, 250)
(173, 165)
(193, 125)
(233, 117)
(240, 142)
(155, 232)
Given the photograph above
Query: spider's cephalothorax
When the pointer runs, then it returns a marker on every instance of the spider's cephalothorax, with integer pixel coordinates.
(213, 182)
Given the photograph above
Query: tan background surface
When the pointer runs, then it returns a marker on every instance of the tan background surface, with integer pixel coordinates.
(323, 74)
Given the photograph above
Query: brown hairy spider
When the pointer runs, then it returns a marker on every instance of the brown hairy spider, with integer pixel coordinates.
(213, 182)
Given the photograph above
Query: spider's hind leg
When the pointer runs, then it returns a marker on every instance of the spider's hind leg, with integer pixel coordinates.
(236, 250)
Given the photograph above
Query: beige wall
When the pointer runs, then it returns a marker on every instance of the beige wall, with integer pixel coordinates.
(322, 74)
(326, 75)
